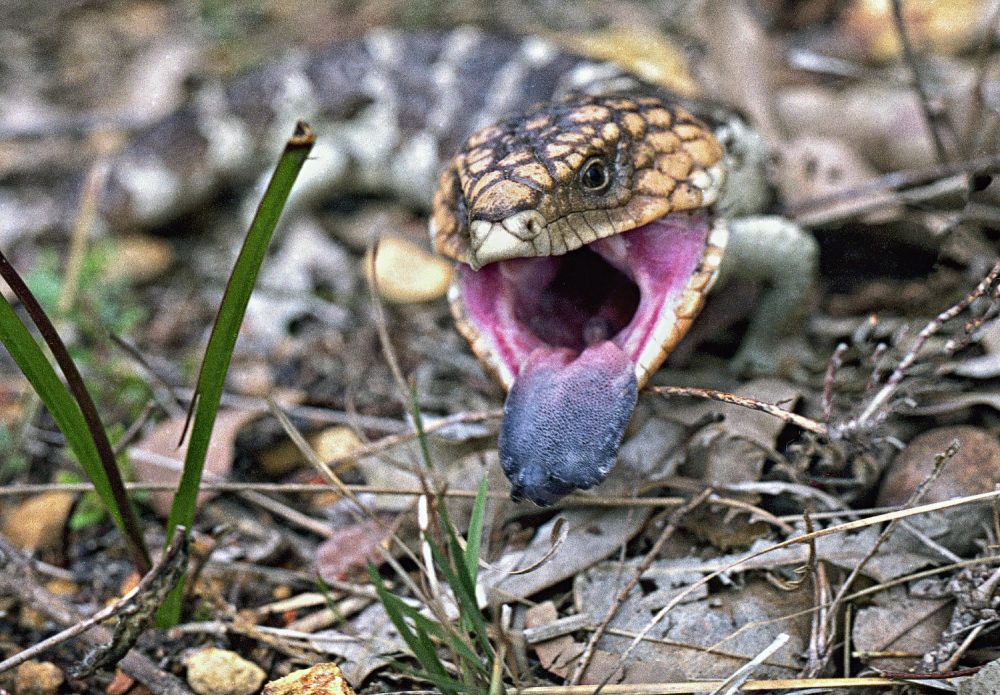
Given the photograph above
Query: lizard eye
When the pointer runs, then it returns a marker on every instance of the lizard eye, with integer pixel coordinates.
(594, 176)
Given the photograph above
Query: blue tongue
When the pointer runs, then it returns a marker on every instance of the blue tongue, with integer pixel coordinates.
(564, 419)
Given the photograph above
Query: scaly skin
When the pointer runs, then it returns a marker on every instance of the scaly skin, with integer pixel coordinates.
(660, 158)
(562, 335)
(514, 190)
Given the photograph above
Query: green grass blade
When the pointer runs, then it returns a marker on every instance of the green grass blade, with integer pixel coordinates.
(474, 536)
(219, 352)
(465, 593)
(419, 644)
(69, 417)
(418, 424)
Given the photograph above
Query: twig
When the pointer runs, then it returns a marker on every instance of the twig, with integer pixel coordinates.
(918, 83)
(963, 647)
(683, 688)
(805, 538)
(896, 180)
(647, 561)
(892, 383)
(805, 423)
(18, 581)
(171, 399)
(939, 462)
(818, 636)
(125, 602)
(92, 187)
(941, 675)
(734, 683)
(836, 360)
(311, 413)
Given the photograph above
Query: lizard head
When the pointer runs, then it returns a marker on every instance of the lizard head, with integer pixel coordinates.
(587, 244)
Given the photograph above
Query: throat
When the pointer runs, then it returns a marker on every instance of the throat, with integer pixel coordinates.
(587, 300)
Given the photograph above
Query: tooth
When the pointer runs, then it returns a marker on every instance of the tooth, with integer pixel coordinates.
(711, 260)
(718, 235)
(699, 281)
(689, 304)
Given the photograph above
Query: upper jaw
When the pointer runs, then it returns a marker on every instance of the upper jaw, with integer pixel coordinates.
(517, 236)
(529, 233)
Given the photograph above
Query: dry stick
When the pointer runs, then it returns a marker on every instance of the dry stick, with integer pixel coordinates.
(135, 429)
(382, 327)
(962, 648)
(840, 528)
(979, 86)
(918, 83)
(171, 406)
(939, 462)
(683, 688)
(92, 187)
(875, 362)
(19, 583)
(884, 586)
(408, 399)
(836, 361)
(986, 164)
(892, 383)
(984, 591)
(647, 561)
(362, 510)
(574, 501)
(108, 612)
(734, 683)
(817, 632)
(805, 423)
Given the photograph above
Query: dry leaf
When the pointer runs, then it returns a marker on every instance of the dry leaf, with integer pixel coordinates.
(157, 458)
(900, 623)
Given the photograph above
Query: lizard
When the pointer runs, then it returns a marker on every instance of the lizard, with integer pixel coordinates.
(542, 169)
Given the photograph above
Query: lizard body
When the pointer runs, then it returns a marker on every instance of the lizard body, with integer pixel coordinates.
(392, 109)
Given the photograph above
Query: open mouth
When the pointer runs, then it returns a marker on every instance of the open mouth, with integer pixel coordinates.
(574, 336)
(633, 289)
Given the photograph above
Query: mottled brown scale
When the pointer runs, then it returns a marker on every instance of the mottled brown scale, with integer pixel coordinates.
(656, 155)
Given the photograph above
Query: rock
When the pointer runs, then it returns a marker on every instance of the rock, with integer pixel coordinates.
(942, 27)
(139, 259)
(222, 672)
(329, 444)
(38, 522)
(974, 469)
(335, 442)
(986, 682)
(408, 274)
(321, 679)
(37, 678)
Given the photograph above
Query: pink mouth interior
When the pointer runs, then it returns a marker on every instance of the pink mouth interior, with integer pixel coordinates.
(614, 289)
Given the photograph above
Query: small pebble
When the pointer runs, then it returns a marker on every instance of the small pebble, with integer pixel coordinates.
(407, 274)
(39, 521)
(139, 259)
(321, 679)
(940, 27)
(974, 469)
(329, 444)
(222, 672)
(38, 678)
